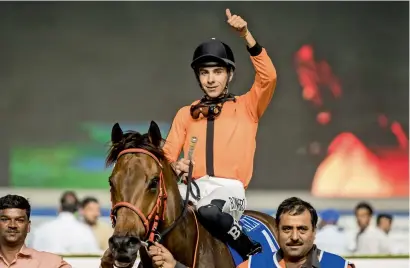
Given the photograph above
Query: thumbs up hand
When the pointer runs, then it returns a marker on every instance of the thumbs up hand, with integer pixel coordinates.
(237, 23)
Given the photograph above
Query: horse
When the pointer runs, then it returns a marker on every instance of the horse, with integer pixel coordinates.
(147, 206)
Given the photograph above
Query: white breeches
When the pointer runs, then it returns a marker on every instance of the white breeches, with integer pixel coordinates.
(213, 188)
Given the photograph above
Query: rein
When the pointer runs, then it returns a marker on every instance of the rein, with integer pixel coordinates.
(157, 213)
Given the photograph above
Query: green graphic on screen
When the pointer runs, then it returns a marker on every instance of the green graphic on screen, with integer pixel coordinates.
(69, 165)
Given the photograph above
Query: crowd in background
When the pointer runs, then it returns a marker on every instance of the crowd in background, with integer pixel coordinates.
(78, 229)
(369, 239)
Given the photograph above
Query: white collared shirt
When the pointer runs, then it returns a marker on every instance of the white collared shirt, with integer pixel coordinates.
(65, 235)
(372, 241)
(331, 239)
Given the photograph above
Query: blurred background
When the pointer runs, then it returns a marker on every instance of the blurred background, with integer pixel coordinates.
(335, 134)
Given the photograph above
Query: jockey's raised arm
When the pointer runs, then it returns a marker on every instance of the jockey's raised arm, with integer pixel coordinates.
(260, 95)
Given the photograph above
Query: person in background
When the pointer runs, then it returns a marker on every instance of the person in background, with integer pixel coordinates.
(15, 223)
(66, 234)
(90, 212)
(296, 222)
(370, 239)
(384, 222)
(329, 236)
(398, 245)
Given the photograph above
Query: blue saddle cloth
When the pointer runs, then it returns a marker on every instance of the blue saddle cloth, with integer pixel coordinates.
(259, 232)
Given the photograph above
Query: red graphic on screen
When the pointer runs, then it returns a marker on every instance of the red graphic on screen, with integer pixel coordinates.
(313, 77)
(351, 169)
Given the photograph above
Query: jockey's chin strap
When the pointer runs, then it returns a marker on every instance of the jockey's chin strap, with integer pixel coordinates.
(157, 213)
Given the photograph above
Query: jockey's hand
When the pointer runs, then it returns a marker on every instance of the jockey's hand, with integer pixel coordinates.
(237, 23)
(161, 257)
(182, 166)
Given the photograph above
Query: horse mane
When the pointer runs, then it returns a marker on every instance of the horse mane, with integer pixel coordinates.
(130, 140)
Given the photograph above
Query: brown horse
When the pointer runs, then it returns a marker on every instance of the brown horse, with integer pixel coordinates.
(147, 206)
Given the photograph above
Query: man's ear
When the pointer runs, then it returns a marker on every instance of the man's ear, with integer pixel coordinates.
(230, 75)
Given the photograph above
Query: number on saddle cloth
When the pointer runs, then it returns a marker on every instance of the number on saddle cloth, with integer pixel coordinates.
(259, 232)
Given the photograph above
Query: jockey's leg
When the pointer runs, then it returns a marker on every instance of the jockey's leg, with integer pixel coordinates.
(216, 211)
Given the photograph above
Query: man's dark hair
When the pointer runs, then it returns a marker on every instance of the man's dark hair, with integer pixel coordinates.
(69, 202)
(88, 200)
(15, 201)
(296, 206)
(384, 215)
(364, 205)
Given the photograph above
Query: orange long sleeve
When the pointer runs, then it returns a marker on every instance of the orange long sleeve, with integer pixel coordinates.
(234, 130)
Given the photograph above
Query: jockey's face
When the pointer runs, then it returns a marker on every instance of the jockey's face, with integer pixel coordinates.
(296, 235)
(213, 80)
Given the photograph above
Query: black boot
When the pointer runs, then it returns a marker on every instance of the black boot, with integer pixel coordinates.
(223, 226)
(237, 239)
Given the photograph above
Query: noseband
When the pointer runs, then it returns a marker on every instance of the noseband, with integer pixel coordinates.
(158, 211)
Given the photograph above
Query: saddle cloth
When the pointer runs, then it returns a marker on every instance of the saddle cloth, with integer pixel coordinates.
(259, 232)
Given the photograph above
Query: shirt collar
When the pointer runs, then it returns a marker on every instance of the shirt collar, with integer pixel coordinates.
(66, 215)
(312, 260)
(24, 251)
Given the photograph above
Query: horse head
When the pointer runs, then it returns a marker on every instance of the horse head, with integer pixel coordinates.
(142, 183)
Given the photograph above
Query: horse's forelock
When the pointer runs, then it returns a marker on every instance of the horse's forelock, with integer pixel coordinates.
(132, 139)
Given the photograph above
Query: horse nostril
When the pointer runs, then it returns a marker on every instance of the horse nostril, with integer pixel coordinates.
(113, 241)
(133, 241)
(123, 241)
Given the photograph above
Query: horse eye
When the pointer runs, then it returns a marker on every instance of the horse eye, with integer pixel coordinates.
(153, 184)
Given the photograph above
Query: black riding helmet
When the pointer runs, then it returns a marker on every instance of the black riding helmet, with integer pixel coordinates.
(213, 53)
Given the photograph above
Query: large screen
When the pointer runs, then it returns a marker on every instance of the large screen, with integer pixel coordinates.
(337, 124)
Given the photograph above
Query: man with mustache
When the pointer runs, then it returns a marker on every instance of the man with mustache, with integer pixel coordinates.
(296, 222)
(14, 226)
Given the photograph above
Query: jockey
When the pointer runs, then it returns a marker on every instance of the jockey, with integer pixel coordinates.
(225, 127)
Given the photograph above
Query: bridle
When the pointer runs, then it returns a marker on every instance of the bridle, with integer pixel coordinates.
(157, 213)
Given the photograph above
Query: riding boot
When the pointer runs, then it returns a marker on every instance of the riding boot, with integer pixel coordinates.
(224, 227)
(240, 241)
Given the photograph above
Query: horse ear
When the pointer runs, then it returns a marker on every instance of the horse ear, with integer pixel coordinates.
(154, 134)
(116, 133)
